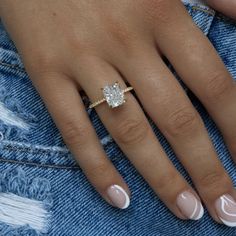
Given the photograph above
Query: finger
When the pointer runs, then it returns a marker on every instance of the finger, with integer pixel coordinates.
(66, 107)
(130, 129)
(169, 107)
(227, 7)
(198, 64)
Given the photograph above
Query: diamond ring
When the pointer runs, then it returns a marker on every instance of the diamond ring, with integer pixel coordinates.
(113, 95)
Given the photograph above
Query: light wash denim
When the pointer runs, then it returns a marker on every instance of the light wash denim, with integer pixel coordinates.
(42, 189)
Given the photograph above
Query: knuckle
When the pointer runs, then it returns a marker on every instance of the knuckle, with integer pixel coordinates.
(81, 47)
(214, 179)
(166, 181)
(120, 33)
(182, 122)
(157, 10)
(131, 131)
(43, 63)
(74, 134)
(217, 86)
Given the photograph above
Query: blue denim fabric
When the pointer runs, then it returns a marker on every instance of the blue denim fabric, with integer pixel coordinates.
(35, 164)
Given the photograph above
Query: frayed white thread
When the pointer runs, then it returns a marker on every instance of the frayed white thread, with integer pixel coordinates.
(107, 139)
(19, 211)
(9, 118)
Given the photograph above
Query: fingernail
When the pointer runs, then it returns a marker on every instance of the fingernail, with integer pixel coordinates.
(118, 196)
(190, 206)
(226, 210)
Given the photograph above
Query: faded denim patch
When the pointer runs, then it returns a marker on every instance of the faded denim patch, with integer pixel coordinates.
(24, 204)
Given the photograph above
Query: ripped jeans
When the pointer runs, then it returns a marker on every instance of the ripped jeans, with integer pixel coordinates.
(42, 189)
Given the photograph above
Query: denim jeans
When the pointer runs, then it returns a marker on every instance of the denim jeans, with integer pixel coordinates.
(42, 189)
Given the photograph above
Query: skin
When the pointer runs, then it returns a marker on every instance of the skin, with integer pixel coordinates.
(227, 7)
(70, 45)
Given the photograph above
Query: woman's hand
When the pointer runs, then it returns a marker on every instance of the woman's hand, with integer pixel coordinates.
(70, 45)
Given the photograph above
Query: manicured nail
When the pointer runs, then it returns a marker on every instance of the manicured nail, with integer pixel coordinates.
(118, 196)
(190, 206)
(226, 210)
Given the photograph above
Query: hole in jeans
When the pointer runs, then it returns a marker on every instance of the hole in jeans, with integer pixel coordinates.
(25, 204)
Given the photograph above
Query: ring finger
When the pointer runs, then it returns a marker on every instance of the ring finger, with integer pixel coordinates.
(131, 130)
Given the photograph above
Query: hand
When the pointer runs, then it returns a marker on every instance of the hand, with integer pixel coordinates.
(70, 45)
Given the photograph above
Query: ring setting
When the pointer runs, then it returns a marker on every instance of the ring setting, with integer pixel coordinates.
(113, 95)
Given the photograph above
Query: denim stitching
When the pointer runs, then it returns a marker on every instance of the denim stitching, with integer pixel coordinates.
(2, 159)
(218, 15)
(46, 152)
(15, 66)
(105, 142)
(31, 150)
(197, 8)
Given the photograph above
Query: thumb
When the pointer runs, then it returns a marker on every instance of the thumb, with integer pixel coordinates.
(227, 7)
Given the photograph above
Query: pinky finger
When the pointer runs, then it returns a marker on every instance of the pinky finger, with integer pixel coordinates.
(62, 99)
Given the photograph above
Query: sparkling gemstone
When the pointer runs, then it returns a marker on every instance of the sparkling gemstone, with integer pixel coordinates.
(114, 95)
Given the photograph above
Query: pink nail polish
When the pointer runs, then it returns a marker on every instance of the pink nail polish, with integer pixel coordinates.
(118, 196)
(190, 206)
(226, 210)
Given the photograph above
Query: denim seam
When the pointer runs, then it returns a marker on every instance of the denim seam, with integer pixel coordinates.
(36, 150)
(32, 150)
(197, 8)
(39, 151)
(28, 163)
(38, 165)
(15, 66)
(218, 15)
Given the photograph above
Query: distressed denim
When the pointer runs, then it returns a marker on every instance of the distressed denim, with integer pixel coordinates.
(42, 189)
